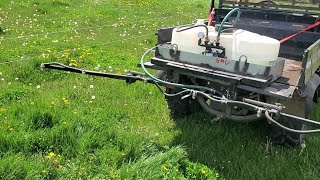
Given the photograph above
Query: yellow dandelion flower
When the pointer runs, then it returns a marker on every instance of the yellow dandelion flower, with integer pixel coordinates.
(32, 103)
(164, 168)
(50, 155)
(203, 171)
(66, 101)
(59, 166)
(64, 123)
(73, 64)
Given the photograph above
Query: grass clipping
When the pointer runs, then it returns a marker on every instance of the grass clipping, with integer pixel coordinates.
(171, 164)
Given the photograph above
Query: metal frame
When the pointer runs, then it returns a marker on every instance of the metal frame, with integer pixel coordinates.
(276, 6)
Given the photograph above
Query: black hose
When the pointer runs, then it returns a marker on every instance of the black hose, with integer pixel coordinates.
(243, 119)
(187, 27)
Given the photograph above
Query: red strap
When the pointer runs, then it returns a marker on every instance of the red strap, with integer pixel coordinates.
(303, 30)
(211, 17)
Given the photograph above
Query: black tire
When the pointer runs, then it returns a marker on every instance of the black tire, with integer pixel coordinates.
(288, 139)
(280, 136)
(179, 107)
(284, 138)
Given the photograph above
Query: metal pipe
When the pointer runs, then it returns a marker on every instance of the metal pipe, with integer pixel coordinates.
(302, 120)
(289, 129)
(262, 104)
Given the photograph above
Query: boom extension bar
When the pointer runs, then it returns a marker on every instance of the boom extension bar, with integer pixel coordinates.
(131, 78)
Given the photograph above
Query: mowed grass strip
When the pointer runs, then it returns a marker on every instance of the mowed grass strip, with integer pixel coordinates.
(63, 125)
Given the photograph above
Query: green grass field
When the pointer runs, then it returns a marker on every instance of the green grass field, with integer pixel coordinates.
(61, 125)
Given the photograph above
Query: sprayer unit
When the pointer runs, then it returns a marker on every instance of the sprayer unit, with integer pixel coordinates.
(237, 69)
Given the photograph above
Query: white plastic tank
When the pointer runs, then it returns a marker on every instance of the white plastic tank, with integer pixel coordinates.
(249, 46)
(188, 40)
(256, 48)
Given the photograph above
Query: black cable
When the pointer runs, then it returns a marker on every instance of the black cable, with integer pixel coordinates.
(187, 27)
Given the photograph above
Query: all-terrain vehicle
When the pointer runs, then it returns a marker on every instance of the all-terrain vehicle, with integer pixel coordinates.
(250, 61)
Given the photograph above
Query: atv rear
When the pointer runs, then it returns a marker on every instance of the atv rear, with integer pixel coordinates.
(289, 86)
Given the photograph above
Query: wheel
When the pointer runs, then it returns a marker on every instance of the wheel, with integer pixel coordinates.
(179, 107)
(280, 136)
(284, 138)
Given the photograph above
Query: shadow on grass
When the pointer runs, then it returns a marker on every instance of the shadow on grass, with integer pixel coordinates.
(239, 151)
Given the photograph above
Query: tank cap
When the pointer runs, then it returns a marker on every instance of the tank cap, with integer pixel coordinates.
(200, 22)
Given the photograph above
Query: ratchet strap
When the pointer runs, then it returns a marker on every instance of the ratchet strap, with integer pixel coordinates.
(303, 30)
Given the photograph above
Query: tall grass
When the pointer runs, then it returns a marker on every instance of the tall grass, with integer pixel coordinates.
(72, 126)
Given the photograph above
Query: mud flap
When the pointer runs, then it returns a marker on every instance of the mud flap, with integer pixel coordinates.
(309, 92)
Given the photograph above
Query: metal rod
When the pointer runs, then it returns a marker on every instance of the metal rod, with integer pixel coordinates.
(262, 104)
(290, 129)
(302, 120)
(127, 78)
